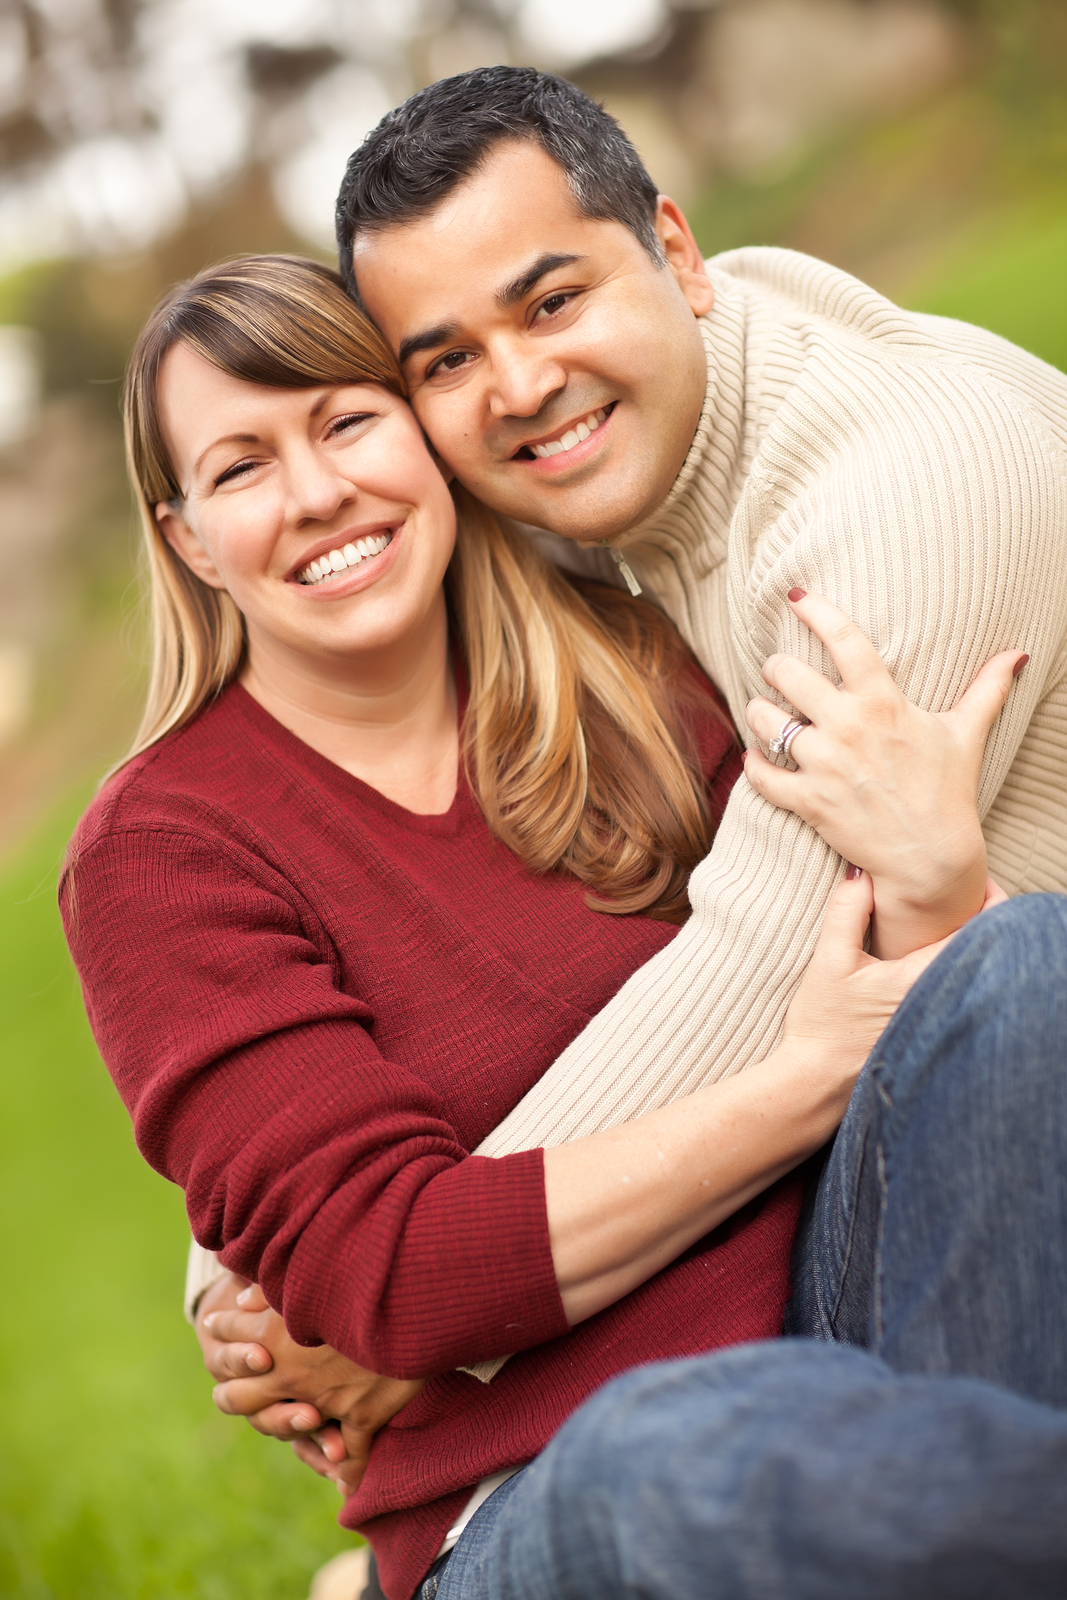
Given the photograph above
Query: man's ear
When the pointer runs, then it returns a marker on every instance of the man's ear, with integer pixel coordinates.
(683, 256)
(184, 542)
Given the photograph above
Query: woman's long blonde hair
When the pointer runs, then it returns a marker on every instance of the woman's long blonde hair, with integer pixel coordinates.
(578, 732)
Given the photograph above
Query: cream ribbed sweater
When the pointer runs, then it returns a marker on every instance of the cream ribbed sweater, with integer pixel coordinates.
(913, 470)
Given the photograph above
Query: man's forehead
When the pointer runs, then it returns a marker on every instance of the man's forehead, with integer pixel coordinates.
(489, 240)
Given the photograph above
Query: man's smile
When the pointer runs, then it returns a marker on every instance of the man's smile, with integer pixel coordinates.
(568, 440)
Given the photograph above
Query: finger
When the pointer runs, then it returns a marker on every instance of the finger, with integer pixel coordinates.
(224, 1360)
(236, 1327)
(776, 784)
(861, 667)
(241, 1397)
(994, 895)
(253, 1299)
(981, 704)
(312, 1457)
(845, 921)
(286, 1419)
(804, 686)
(767, 721)
(330, 1442)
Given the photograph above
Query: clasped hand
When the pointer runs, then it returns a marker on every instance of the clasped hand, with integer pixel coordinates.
(327, 1406)
(889, 786)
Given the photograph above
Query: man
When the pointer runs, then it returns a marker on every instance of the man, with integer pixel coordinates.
(768, 422)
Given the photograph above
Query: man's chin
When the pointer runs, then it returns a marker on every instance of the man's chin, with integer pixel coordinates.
(586, 512)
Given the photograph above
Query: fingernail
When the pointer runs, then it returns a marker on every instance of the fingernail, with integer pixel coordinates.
(744, 757)
(798, 594)
(242, 1298)
(257, 1361)
(1019, 665)
(853, 872)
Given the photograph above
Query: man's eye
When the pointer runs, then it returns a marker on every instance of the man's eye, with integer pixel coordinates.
(553, 304)
(454, 360)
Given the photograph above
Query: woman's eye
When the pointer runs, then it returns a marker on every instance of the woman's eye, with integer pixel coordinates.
(344, 424)
(238, 470)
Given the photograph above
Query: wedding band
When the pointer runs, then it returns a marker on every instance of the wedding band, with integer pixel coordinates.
(779, 745)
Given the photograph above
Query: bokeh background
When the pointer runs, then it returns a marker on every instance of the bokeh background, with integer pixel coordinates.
(920, 144)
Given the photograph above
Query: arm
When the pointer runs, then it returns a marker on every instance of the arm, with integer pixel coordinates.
(715, 999)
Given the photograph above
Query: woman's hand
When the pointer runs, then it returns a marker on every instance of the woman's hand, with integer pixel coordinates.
(889, 786)
(326, 1405)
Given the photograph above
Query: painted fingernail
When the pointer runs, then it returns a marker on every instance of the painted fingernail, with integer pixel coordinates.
(798, 594)
(1019, 665)
(854, 872)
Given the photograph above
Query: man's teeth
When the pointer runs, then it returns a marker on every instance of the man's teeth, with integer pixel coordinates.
(572, 437)
(349, 555)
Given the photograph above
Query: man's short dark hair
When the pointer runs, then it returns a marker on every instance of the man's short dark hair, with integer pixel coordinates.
(420, 152)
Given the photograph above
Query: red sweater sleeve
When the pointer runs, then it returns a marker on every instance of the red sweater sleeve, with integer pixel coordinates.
(310, 1163)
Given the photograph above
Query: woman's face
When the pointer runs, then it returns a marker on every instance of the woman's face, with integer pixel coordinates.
(284, 486)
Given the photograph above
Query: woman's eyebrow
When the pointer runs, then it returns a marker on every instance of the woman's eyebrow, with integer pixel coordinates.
(227, 438)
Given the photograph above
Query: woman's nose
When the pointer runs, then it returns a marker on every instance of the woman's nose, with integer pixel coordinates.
(316, 488)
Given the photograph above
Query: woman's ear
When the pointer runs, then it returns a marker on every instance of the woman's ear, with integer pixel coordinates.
(186, 544)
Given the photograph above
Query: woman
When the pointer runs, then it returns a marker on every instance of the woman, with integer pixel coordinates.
(345, 902)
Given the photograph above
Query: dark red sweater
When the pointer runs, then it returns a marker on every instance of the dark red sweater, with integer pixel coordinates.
(315, 1004)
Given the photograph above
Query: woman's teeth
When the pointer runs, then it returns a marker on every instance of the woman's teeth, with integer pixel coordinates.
(572, 437)
(349, 555)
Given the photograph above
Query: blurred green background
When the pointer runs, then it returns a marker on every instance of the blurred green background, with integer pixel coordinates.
(922, 146)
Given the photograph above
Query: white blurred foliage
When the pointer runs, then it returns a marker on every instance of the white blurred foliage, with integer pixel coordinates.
(340, 109)
(565, 33)
(20, 382)
(16, 689)
(136, 143)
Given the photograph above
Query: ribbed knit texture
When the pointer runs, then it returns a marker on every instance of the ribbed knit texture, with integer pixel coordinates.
(314, 1004)
(914, 470)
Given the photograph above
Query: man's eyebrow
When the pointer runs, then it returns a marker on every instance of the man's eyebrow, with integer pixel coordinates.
(520, 287)
(428, 339)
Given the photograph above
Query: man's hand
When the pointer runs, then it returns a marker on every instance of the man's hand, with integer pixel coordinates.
(326, 1405)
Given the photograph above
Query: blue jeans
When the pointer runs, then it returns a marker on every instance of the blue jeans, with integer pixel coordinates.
(930, 1462)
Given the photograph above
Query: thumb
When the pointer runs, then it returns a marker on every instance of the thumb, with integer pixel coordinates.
(845, 921)
(983, 701)
(252, 1299)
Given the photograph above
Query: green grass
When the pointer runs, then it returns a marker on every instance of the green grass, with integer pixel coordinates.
(1015, 284)
(117, 1477)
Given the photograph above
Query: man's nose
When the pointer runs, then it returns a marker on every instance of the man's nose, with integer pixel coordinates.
(522, 380)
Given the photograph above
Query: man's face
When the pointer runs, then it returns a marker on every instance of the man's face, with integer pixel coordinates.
(520, 323)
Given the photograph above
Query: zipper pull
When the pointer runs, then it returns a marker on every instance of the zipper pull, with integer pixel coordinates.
(626, 570)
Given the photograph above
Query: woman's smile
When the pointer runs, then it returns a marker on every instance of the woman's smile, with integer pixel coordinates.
(355, 552)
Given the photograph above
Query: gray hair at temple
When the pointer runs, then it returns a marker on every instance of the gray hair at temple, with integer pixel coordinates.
(421, 151)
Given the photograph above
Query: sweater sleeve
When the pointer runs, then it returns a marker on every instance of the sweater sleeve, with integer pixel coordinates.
(945, 545)
(310, 1164)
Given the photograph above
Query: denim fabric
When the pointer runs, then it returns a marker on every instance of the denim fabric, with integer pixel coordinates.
(786, 1471)
(938, 1237)
(807, 1470)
